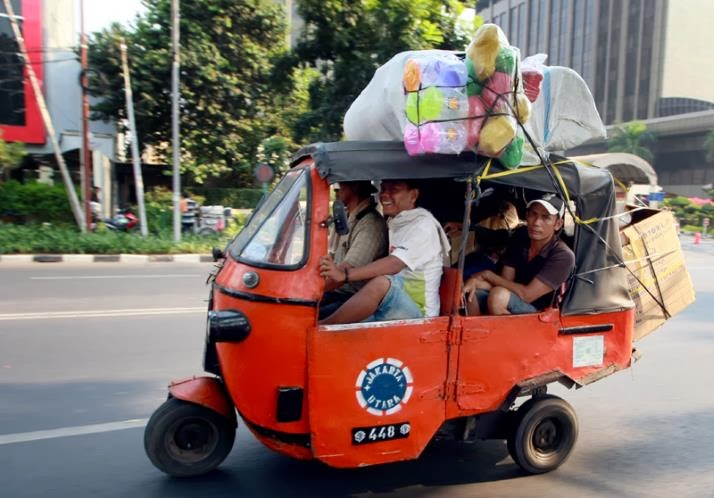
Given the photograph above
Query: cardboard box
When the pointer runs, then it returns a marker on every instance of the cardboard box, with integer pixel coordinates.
(652, 252)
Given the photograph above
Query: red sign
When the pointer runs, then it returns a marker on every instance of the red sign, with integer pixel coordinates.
(32, 131)
(264, 173)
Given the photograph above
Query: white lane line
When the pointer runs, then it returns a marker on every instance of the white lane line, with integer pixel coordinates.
(24, 437)
(99, 277)
(100, 313)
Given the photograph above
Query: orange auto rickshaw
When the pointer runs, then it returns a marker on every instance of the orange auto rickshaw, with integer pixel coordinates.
(371, 393)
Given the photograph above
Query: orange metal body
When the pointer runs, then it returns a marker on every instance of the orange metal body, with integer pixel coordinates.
(204, 391)
(454, 366)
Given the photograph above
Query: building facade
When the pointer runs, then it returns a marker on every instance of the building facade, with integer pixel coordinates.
(642, 59)
(51, 34)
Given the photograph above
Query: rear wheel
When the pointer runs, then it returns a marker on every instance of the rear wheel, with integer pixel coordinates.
(184, 439)
(544, 434)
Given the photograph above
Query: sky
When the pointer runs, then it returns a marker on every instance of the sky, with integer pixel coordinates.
(99, 14)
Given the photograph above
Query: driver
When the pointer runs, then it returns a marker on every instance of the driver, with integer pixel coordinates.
(535, 265)
(404, 284)
(365, 242)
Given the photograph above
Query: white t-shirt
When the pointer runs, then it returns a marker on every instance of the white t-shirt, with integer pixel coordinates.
(416, 238)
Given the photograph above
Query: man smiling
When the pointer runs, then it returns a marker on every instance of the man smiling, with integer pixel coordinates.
(535, 265)
(404, 284)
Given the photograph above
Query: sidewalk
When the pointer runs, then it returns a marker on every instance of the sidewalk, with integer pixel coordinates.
(105, 258)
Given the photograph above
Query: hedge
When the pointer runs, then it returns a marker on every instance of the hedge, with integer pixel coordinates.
(49, 239)
(239, 198)
(34, 202)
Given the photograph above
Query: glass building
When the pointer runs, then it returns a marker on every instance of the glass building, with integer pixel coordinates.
(641, 58)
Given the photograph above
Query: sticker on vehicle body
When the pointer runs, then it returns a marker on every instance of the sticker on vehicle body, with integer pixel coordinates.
(588, 351)
(384, 386)
(379, 433)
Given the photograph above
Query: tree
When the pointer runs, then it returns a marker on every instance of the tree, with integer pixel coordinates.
(11, 155)
(227, 104)
(347, 41)
(632, 138)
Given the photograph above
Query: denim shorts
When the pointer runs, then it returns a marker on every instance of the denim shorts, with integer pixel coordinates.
(396, 304)
(516, 305)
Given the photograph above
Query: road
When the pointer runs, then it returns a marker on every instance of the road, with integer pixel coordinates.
(86, 352)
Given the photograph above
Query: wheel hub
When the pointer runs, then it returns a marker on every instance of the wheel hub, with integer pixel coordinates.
(192, 436)
(546, 437)
(192, 439)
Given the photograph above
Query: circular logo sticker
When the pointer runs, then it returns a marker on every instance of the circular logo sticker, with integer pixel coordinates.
(384, 386)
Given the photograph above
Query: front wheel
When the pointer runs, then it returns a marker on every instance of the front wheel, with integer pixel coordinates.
(544, 435)
(184, 439)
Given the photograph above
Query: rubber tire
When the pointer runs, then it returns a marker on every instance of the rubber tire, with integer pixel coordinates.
(543, 415)
(520, 412)
(165, 451)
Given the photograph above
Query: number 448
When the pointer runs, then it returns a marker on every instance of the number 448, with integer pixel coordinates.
(381, 433)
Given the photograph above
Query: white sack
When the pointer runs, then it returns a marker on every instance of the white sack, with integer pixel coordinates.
(564, 114)
(379, 111)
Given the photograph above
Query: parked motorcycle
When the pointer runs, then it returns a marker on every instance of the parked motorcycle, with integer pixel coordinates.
(123, 221)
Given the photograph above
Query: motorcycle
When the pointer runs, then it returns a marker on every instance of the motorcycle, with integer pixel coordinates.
(123, 221)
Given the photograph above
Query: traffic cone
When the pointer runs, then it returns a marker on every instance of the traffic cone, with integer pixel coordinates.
(697, 238)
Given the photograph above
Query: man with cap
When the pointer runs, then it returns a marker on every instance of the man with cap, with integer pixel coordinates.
(534, 267)
(365, 242)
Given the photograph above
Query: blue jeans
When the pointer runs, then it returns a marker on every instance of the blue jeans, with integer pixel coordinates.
(396, 304)
(516, 305)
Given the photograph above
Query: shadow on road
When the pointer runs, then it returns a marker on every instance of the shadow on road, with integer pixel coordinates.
(442, 464)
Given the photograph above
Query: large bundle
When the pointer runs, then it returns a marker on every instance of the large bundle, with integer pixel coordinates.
(445, 103)
(564, 114)
(379, 112)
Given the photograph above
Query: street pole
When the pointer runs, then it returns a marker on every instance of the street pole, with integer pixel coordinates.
(136, 160)
(46, 119)
(86, 153)
(175, 140)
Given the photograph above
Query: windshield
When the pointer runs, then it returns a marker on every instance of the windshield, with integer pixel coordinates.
(276, 233)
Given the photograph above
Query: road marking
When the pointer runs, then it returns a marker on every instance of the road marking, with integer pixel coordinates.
(82, 430)
(100, 313)
(99, 277)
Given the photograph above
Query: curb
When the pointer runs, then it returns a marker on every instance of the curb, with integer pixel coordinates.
(105, 258)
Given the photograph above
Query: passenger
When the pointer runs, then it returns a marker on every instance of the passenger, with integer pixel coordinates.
(535, 265)
(404, 284)
(488, 242)
(366, 241)
(189, 213)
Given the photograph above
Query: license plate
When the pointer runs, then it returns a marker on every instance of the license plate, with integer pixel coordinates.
(378, 433)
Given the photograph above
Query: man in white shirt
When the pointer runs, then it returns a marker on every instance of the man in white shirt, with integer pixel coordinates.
(404, 284)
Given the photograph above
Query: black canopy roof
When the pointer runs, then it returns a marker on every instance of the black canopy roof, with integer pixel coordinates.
(600, 282)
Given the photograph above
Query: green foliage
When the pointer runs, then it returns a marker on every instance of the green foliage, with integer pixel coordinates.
(347, 41)
(632, 138)
(158, 205)
(688, 213)
(26, 202)
(237, 198)
(29, 239)
(11, 155)
(227, 104)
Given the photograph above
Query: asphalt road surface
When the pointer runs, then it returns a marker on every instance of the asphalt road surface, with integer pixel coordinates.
(86, 352)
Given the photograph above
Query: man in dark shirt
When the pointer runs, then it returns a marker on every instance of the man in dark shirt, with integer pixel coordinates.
(534, 267)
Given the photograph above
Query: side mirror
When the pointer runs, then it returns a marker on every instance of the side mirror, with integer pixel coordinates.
(339, 218)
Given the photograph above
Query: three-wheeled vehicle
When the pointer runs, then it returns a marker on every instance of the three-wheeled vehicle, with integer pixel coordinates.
(370, 393)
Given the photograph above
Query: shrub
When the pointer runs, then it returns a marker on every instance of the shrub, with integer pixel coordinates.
(34, 238)
(34, 202)
(239, 198)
